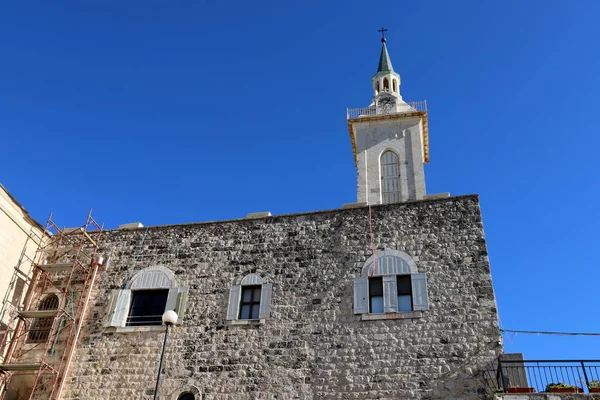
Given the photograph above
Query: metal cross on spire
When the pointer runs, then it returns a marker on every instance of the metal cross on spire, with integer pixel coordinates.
(383, 31)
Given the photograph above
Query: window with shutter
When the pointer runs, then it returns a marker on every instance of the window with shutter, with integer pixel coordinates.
(147, 295)
(250, 299)
(389, 283)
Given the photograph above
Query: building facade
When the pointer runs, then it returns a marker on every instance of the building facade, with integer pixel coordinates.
(20, 236)
(387, 298)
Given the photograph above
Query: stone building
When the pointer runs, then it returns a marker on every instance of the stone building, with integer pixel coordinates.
(386, 298)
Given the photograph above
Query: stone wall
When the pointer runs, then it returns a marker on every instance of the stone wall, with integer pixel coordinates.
(312, 346)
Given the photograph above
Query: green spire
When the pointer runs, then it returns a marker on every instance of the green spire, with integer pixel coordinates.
(385, 63)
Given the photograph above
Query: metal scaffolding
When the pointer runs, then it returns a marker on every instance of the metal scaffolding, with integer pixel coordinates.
(42, 331)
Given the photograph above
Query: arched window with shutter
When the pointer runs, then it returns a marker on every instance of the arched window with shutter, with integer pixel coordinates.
(390, 283)
(40, 328)
(390, 177)
(147, 295)
(249, 299)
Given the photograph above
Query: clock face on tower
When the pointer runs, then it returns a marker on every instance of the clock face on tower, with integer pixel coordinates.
(386, 103)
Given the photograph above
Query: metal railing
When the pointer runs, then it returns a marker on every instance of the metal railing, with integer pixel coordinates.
(415, 106)
(582, 376)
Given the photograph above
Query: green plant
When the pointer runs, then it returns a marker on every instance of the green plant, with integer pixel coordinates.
(559, 385)
(594, 384)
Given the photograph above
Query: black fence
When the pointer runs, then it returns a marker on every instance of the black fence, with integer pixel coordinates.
(575, 376)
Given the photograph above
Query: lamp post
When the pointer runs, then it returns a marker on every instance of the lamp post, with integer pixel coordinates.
(169, 318)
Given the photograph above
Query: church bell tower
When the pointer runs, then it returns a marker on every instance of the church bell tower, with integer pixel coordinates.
(390, 140)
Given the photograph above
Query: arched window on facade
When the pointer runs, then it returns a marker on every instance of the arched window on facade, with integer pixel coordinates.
(386, 84)
(390, 283)
(395, 85)
(40, 328)
(249, 299)
(390, 177)
(186, 396)
(147, 295)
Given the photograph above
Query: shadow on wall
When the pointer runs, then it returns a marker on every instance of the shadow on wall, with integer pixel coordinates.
(468, 381)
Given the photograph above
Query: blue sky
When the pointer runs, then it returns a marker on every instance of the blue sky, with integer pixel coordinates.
(181, 111)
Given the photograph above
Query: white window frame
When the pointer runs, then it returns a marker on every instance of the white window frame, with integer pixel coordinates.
(388, 264)
(233, 307)
(151, 278)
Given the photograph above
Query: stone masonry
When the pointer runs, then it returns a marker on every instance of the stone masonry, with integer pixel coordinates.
(313, 346)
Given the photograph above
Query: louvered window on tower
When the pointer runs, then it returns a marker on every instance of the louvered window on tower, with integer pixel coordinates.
(390, 177)
(390, 283)
(145, 298)
(250, 299)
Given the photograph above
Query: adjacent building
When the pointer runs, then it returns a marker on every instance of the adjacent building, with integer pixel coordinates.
(20, 236)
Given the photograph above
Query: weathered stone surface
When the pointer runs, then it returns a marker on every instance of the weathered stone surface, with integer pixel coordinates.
(312, 346)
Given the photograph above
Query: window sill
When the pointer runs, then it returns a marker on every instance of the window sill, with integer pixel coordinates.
(129, 329)
(402, 315)
(247, 321)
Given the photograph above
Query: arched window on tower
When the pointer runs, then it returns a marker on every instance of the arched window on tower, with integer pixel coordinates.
(40, 328)
(386, 84)
(395, 85)
(377, 88)
(390, 177)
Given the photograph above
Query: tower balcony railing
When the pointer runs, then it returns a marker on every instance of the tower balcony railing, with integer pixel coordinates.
(403, 108)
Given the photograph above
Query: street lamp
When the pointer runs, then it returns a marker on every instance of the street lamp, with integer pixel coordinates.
(168, 318)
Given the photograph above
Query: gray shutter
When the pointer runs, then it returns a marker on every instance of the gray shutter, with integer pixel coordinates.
(172, 299)
(419, 292)
(181, 302)
(390, 294)
(265, 300)
(234, 302)
(121, 313)
(361, 295)
(110, 308)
